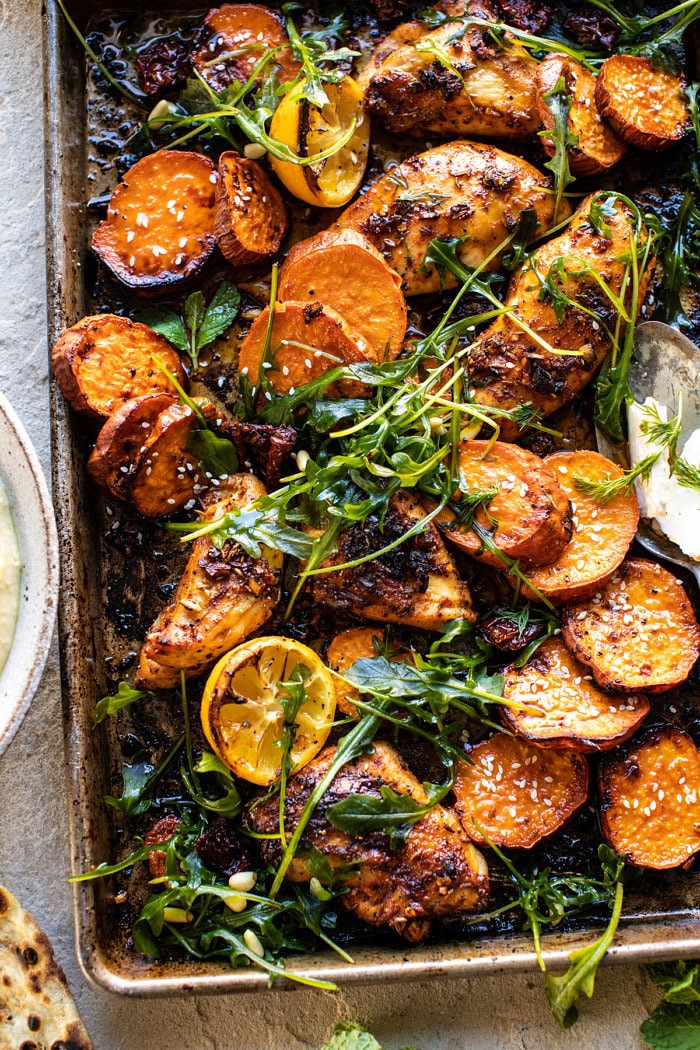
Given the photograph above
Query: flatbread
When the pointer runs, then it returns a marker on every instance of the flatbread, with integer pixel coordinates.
(37, 1011)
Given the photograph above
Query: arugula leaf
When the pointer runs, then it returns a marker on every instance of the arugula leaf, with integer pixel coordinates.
(136, 779)
(558, 101)
(166, 323)
(349, 1035)
(393, 813)
(220, 314)
(312, 50)
(679, 981)
(253, 528)
(602, 208)
(564, 990)
(528, 224)
(125, 696)
(226, 805)
(216, 454)
(673, 1027)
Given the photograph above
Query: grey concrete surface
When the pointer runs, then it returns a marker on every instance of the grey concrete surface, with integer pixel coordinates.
(495, 1013)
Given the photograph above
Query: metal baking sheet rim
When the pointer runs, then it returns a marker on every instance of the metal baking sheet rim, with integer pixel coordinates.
(641, 938)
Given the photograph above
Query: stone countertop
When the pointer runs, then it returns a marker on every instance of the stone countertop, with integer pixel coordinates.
(490, 1013)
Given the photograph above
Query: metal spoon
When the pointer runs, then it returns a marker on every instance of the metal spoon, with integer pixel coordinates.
(665, 363)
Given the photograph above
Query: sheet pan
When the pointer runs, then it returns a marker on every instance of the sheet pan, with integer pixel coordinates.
(661, 925)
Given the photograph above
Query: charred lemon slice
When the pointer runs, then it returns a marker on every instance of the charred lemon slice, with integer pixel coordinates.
(309, 131)
(253, 695)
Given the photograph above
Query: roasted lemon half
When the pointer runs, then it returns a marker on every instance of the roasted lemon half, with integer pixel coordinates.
(261, 693)
(308, 131)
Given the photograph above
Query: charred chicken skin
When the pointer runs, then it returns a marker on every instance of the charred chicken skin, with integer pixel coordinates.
(436, 872)
(224, 595)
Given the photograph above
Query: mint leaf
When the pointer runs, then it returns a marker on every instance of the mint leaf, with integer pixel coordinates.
(125, 696)
(166, 323)
(673, 1027)
(220, 314)
(351, 1036)
(216, 454)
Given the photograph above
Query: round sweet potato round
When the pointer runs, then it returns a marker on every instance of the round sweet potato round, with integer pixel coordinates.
(345, 270)
(529, 517)
(105, 360)
(240, 35)
(644, 105)
(122, 439)
(518, 794)
(251, 219)
(307, 340)
(562, 708)
(159, 230)
(597, 148)
(638, 632)
(166, 476)
(650, 798)
(602, 532)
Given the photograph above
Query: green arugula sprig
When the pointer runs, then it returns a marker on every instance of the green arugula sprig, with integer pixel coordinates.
(138, 779)
(392, 813)
(318, 57)
(124, 697)
(558, 101)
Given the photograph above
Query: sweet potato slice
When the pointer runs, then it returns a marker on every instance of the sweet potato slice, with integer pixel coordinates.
(166, 476)
(239, 35)
(159, 230)
(121, 441)
(347, 648)
(529, 517)
(343, 268)
(251, 219)
(643, 104)
(602, 532)
(638, 632)
(565, 710)
(307, 340)
(104, 361)
(518, 794)
(650, 798)
(597, 148)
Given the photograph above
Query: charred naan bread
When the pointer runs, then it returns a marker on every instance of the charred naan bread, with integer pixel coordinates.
(37, 1011)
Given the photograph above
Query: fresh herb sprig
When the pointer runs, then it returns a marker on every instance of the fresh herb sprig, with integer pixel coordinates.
(199, 325)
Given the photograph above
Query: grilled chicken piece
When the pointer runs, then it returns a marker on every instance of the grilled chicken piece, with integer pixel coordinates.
(415, 584)
(460, 189)
(436, 872)
(223, 596)
(507, 367)
(455, 80)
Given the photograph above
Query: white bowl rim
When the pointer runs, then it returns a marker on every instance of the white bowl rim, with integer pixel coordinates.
(23, 477)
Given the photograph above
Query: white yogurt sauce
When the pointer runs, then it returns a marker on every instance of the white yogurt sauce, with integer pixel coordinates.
(10, 576)
(675, 508)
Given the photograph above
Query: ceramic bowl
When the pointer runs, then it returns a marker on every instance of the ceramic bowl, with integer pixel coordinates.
(23, 478)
